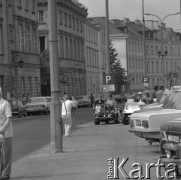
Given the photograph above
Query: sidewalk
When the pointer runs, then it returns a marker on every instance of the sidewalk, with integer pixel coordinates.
(83, 159)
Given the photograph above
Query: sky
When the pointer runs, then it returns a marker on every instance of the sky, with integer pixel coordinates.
(132, 9)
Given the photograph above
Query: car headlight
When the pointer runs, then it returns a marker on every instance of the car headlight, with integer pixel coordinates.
(168, 154)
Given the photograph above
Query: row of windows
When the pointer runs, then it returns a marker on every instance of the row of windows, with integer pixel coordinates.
(92, 57)
(137, 79)
(28, 41)
(136, 63)
(135, 47)
(71, 48)
(27, 4)
(64, 19)
(91, 35)
(151, 50)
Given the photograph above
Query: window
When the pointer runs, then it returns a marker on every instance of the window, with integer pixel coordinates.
(36, 85)
(66, 47)
(30, 85)
(19, 3)
(73, 23)
(1, 3)
(35, 40)
(61, 17)
(77, 25)
(33, 5)
(28, 39)
(40, 16)
(70, 21)
(70, 52)
(75, 49)
(22, 85)
(157, 67)
(65, 19)
(21, 38)
(61, 47)
(1, 39)
(81, 26)
(26, 5)
(153, 70)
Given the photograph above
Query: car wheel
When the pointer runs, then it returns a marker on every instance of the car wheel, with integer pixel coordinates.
(125, 119)
(19, 115)
(96, 121)
(25, 114)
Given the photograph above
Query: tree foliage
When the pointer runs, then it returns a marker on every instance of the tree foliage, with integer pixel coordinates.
(116, 68)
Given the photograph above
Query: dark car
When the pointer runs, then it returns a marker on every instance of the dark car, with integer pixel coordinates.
(170, 144)
(18, 109)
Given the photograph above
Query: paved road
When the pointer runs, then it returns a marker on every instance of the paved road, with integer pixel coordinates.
(32, 133)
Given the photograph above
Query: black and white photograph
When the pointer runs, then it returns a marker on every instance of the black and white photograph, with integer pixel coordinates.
(90, 89)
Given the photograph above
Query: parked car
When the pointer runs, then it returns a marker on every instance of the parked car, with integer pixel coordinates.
(129, 108)
(83, 101)
(159, 101)
(38, 104)
(17, 107)
(170, 148)
(147, 124)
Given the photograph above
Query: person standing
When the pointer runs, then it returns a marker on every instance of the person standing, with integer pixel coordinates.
(67, 107)
(6, 131)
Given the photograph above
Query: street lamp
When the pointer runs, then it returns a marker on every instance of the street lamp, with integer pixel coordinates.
(162, 53)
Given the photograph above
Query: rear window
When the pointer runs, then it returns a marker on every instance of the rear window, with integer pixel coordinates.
(34, 100)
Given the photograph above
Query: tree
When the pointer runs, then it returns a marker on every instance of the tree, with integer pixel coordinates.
(116, 69)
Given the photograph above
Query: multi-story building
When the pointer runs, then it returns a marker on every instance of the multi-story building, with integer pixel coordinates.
(20, 67)
(92, 58)
(128, 41)
(99, 23)
(71, 15)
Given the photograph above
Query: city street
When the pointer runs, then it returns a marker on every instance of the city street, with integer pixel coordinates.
(33, 132)
(85, 152)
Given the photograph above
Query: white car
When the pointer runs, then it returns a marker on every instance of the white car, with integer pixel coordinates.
(38, 104)
(147, 124)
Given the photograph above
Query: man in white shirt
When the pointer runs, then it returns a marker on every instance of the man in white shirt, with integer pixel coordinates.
(67, 107)
(6, 132)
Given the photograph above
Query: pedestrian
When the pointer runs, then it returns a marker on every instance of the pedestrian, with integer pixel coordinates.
(73, 109)
(92, 100)
(27, 97)
(23, 99)
(6, 130)
(160, 91)
(67, 107)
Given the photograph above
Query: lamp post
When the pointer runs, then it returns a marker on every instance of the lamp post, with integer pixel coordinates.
(162, 53)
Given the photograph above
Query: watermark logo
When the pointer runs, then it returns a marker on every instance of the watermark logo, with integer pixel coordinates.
(116, 169)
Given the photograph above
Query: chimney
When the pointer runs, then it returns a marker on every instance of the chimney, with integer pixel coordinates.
(126, 20)
(137, 22)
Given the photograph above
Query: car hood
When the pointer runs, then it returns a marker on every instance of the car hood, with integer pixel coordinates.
(146, 114)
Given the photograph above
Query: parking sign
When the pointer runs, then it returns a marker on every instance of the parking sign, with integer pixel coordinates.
(145, 80)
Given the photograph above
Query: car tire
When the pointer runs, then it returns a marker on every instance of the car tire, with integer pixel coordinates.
(124, 119)
(96, 121)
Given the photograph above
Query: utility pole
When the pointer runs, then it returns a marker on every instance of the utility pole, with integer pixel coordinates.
(144, 42)
(107, 37)
(55, 109)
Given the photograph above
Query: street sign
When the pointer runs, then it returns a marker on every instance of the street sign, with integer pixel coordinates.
(145, 80)
(108, 83)
(109, 88)
(108, 79)
(146, 84)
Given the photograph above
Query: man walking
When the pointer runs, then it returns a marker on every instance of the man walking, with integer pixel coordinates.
(6, 130)
(67, 107)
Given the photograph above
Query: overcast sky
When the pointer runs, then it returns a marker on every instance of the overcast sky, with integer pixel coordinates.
(132, 9)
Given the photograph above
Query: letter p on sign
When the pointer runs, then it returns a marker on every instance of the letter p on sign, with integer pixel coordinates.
(108, 78)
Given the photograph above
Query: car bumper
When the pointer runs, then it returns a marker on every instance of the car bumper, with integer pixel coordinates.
(146, 135)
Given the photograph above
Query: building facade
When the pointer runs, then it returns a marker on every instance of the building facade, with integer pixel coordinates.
(20, 66)
(99, 23)
(128, 41)
(71, 15)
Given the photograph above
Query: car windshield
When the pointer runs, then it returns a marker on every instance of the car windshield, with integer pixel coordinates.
(173, 101)
(34, 100)
(161, 98)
